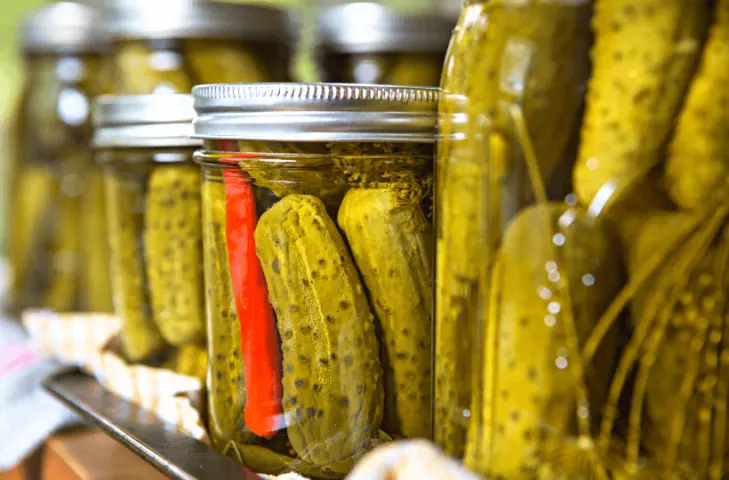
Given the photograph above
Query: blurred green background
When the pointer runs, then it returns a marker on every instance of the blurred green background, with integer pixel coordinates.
(11, 72)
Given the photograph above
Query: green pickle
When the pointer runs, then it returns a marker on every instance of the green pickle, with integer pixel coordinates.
(527, 399)
(337, 397)
(510, 65)
(224, 62)
(125, 202)
(173, 252)
(226, 385)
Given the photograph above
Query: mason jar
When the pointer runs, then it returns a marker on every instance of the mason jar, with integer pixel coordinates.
(55, 196)
(153, 219)
(317, 206)
(172, 45)
(581, 208)
(366, 42)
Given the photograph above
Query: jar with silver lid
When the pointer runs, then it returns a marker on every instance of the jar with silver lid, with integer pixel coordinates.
(171, 45)
(366, 42)
(55, 189)
(153, 217)
(318, 269)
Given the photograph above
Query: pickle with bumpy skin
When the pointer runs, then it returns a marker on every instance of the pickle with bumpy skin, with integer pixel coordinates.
(226, 382)
(526, 404)
(332, 379)
(635, 90)
(391, 245)
(136, 73)
(125, 207)
(173, 249)
(222, 62)
(697, 155)
(510, 65)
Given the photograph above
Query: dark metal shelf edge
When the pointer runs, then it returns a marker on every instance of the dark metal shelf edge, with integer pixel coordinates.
(162, 445)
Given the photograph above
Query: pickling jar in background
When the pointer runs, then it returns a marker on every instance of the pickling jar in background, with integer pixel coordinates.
(366, 42)
(317, 204)
(58, 250)
(168, 46)
(154, 222)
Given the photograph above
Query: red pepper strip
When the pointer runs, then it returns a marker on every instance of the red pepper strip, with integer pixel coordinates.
(259, 340)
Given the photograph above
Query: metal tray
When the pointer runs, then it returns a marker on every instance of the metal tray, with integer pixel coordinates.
(162, 445)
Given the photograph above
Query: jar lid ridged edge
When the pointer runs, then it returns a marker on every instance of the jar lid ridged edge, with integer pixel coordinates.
(321, 93)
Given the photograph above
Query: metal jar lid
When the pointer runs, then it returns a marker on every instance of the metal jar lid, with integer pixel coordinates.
(311, 112)
(155, 120)
(368, 27)
(62, 28)
(175, 19)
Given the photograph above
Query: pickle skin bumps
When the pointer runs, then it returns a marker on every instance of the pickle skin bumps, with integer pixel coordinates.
(635, 90)
(332, 376)
(173, 247)
(391, 244)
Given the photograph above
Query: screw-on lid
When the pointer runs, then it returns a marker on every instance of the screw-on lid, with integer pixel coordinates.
(156, 120)
(309, 112)
(62, 28)
(368, 27)
(174, 19)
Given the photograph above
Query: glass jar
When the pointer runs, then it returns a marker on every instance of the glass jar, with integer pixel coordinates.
(153, 219)
(365, 42)
(579, 313)
(171, 45)
(317, 201)
(56, 200)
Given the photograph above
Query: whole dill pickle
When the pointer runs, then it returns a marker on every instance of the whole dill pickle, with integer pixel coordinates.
(697, 155)
(226, 382)
(125, 203)
(635, 89)
(526, 405)
(510, 65)
(332, 379)
(173, 249)
(391, 244)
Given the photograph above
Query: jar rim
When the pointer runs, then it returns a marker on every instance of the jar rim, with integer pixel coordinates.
(179, 19)
(152, 120)
(315, 112)
(369, 27)
(62, 28)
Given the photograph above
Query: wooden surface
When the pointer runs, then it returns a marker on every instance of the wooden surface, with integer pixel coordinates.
(83, 455)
